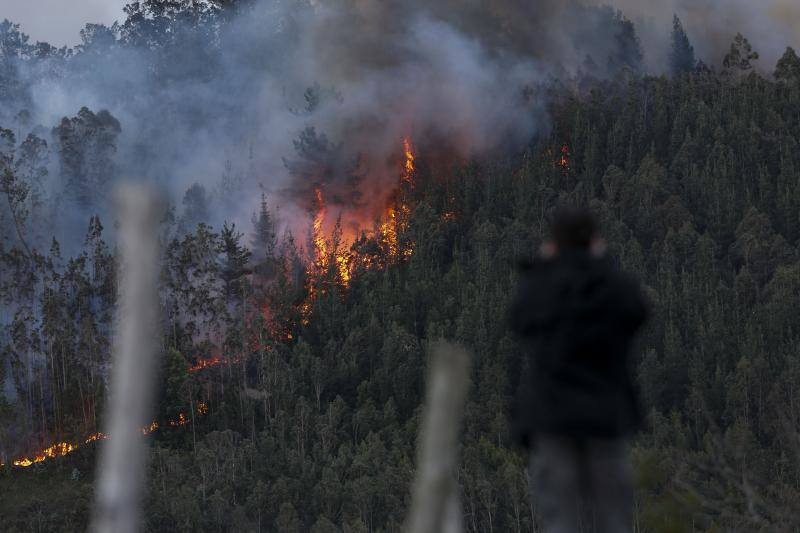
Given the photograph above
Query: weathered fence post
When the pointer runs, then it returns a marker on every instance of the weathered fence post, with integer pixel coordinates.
(123, 457)
(435, 504)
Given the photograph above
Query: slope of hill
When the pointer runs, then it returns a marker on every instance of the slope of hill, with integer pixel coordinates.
(294, 364)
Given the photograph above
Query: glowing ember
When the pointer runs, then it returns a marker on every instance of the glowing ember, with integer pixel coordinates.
(181, 421)
(205, 363)
(563, 160)
(95, 436)
(213, 361)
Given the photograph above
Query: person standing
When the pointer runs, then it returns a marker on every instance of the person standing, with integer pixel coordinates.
(577, 406)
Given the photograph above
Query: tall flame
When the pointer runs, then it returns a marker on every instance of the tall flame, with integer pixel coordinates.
(323, 249)
(317, 235)
(408, 173)
(395, 221)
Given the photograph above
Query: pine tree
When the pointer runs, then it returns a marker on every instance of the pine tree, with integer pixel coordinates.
(264, 238)
(681, 58)
(196, 208)
(234, 260)
(788, 67)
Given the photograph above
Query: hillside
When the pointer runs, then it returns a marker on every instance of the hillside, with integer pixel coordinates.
(294, 362)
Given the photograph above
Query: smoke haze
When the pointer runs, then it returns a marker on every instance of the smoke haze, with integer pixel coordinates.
(223, 103)
(59, 21)
(770, 25)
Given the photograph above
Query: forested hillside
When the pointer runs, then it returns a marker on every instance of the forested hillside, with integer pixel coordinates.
(294, 362)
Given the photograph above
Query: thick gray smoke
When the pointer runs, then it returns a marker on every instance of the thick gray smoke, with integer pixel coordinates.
(226, 104)
(226, 115)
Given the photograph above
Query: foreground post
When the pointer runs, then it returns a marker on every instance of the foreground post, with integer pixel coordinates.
(435, 506)
(123, 458)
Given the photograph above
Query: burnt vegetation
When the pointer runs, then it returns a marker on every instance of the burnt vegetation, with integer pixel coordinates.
(293, 364)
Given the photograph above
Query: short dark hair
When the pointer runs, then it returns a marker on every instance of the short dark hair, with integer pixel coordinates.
(574, 228)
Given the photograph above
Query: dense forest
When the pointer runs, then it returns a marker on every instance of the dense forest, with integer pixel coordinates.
(294, 359)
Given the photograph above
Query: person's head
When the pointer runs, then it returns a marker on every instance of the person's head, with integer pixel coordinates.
(575, 229)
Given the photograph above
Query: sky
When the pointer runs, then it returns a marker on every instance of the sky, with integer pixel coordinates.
(59, 22)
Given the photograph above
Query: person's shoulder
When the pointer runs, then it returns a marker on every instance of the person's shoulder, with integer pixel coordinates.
(534, 266)
(622, 277)
(608, 271)
(626, 286)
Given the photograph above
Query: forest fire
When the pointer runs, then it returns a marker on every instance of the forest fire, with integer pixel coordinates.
(65, 448)
(56, 450)
(337, 252)
(325, 254)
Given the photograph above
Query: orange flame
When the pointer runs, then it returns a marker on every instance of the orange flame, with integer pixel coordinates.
(408, 174)
(56, 450)
(395, 221)
(214, 361)
(205, 363)
(61, 449)
(389, 231)
(343, 267)
(320, 244)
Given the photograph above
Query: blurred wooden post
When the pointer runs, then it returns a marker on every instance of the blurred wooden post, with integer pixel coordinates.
(123, 457)
(435, 504)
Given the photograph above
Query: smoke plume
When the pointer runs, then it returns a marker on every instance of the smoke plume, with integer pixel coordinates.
(284, 96)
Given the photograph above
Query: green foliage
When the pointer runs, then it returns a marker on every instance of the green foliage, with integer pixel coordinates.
(788, 67)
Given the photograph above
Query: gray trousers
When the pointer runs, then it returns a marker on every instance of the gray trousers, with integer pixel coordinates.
(582, 485)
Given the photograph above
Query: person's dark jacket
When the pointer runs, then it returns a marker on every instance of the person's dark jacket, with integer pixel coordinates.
(578, 315)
